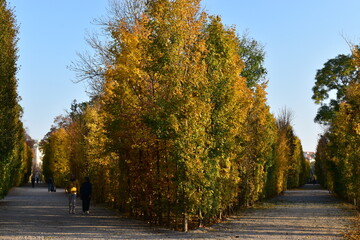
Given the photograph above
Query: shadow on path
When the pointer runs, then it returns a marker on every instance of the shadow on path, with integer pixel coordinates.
(36, 213)
(306, 213)
(309, 212)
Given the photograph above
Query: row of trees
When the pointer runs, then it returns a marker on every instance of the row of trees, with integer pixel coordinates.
(337, 158)
(178, 128)
(15, 145)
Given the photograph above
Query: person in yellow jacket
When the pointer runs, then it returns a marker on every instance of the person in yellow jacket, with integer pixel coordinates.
(73, 190)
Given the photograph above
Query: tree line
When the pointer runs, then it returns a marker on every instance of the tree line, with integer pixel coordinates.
(177, 131)
(337, 90)
(15, 145)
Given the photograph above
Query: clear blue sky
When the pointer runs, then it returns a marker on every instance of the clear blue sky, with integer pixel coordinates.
(299, 37)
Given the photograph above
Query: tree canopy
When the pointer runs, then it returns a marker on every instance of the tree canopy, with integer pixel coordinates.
(337, 158)
(330, 85)
(15, 153)
(179, 132)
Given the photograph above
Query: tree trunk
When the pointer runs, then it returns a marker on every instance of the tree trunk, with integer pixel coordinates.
(185, 222)
(201, 219)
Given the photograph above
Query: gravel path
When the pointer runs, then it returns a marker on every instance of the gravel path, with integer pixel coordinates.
(307, 213)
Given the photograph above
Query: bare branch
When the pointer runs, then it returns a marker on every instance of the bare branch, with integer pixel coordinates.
(91, 68)
(285, 118)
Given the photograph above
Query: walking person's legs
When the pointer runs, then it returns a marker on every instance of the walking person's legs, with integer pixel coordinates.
(72, 203)
(86, 205)
(70, 207)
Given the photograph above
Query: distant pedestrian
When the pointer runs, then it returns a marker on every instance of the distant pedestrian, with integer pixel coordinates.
(33, 181)
(50, 184)
(37, 180)
(85, 195)
(72, 189)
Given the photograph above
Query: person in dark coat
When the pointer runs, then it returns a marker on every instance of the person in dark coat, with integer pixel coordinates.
(50, 183)
(33, 181)
(85, 194)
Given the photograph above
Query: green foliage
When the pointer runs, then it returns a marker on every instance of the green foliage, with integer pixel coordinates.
(336, 74)
(337, 160)
(57, 151)
(179, 130)
(13, 153)
(261, 136)
(27, 159)
(253, 55)
(227, 91)
(289, 169)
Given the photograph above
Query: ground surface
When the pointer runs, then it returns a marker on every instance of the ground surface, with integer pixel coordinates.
(307, 213)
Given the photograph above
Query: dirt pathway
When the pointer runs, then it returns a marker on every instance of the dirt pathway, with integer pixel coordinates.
(308, 213)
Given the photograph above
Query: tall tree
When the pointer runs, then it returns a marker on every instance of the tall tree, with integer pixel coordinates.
(175, 129)
(335, 76)
(11, 129)
(337, 160)
(57, 151)
(261, 137)
(253, 55)
(283, 150)
(97, 155)
(92, 68)
(344, 141)
(230, 105)
(175, 63)
(28, 157)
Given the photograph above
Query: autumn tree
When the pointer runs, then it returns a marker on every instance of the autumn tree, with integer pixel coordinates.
(76, 132)
(253, 55)
(177, 129)
(261, 132)
(165, 98)
(57, 150)
(337, 158)
(92, 67)
(97, 156)
(289, 168)
(28, 157)
(323, 163)
(228, 93)
(12, 133)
